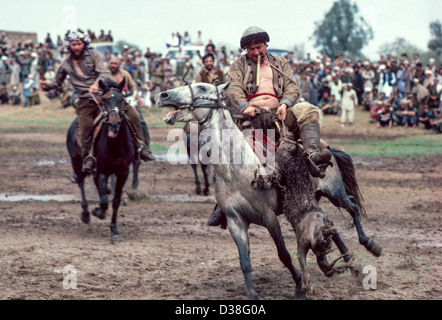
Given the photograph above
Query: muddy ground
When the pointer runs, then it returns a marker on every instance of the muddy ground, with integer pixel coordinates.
(168, 252)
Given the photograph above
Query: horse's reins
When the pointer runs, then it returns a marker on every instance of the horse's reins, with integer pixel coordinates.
(103, 113)
(217, 102)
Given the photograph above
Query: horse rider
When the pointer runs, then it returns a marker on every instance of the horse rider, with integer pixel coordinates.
(259, 80)
(85, 68)
(132, 98)
(118, 75)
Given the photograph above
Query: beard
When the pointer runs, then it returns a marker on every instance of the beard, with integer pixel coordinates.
(79, 55)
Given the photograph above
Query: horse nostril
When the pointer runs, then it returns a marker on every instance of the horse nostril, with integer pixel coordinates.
(164, 95)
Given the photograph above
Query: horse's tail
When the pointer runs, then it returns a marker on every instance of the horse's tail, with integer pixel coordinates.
(348, 172)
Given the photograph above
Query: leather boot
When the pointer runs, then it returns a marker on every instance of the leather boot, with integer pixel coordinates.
(318, 159)
(146, 154)
(217, 218)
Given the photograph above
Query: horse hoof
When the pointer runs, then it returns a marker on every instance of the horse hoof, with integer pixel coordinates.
(85, 217)
(206, 192)
(376, 249)
(125, 201)
(253, 296)
(356, 271)
(116, 238)
(99, 213)
(198, 191)
(300, 294)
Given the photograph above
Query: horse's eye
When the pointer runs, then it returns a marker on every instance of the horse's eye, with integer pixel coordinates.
(202, 88)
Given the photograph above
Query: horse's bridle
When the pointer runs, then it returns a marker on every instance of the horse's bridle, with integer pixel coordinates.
(191, 106)
(105, 113)
(217, 103)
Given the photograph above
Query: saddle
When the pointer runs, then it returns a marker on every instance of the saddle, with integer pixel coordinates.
(267, 120)
(263, 146)
(98, 122)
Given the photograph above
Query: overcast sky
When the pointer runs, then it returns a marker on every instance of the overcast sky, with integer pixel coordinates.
(149, 23)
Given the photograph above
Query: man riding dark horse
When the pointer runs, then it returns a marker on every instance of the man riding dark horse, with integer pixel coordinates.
(85, 68)
(258, 81)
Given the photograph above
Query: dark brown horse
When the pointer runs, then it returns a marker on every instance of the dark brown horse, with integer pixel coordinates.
(114, 151)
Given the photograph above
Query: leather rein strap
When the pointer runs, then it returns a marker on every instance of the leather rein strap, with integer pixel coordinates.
(218, 103)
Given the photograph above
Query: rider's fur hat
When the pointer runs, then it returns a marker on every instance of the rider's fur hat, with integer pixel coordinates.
(253, 35)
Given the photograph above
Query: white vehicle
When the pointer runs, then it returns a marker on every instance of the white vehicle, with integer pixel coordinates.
(174, 54)
(103, 47)
(189, 51)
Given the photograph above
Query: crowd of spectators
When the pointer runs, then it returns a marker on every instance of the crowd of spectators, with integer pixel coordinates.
(396, 91)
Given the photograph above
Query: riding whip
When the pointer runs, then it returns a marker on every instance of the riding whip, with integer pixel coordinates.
(98, 118)
(288, 77)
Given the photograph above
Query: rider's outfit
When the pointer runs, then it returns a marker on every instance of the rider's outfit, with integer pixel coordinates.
(306, 121)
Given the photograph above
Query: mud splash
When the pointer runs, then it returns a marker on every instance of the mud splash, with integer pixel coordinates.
(6, 197)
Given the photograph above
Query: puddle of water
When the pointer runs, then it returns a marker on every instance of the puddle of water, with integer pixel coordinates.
(185, 198)
(430, 244)
(367, 163)
(173, 158)
(45, 197)
(50, 162)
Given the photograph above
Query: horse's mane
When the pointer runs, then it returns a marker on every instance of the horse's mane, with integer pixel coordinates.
(109, 83)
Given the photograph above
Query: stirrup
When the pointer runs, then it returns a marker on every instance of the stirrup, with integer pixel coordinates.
(317, 171)
(84, 161)
(150, 156)
(139, 153)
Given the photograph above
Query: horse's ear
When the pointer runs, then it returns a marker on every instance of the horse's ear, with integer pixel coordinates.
(102, 85)
(223, 86)
(122, 84)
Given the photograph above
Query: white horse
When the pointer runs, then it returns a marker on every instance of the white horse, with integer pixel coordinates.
(242, 203)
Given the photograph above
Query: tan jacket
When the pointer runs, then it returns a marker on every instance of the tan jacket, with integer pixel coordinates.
(243, 82)
(129, 82)
(93, 68)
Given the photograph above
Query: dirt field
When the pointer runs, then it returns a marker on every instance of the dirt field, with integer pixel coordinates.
(168, 252)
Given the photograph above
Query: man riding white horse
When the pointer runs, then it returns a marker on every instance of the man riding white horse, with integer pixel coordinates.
(259, 80)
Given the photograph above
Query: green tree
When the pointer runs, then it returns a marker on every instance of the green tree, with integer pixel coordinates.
(342, 30)
(398, 47)
(299, 51)
(435, 43)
